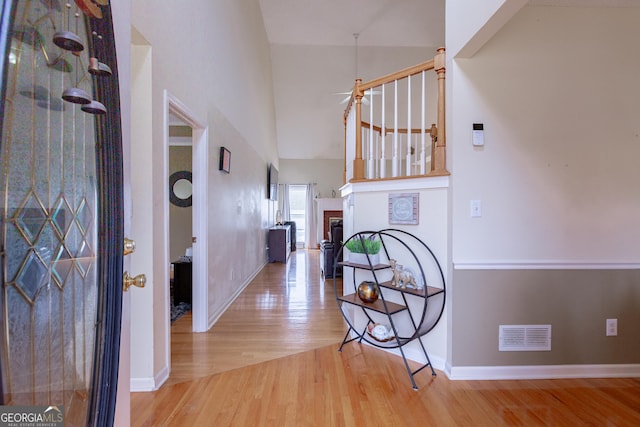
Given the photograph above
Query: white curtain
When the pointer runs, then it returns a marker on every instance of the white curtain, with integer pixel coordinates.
(286, 207)
(311, 238)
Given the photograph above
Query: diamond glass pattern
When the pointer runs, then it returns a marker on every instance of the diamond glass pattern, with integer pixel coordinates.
(61, 216)
(31, 276)
(84, 216)
(61, 266)
(84, 258)
(31, 217)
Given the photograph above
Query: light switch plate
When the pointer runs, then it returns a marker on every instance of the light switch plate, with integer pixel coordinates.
(476, 208)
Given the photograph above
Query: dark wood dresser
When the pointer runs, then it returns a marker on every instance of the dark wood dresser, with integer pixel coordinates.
(279, 242)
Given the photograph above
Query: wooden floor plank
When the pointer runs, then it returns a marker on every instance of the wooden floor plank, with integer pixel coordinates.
(272, 360)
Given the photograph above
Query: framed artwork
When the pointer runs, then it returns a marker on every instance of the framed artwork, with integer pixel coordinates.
(225, 160)
(403, 208)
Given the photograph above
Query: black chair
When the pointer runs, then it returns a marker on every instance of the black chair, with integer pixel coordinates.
(329, 249)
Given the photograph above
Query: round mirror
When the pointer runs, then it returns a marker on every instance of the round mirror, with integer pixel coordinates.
(180, 188)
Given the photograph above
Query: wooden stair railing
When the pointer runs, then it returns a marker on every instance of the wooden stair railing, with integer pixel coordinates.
(355, 126)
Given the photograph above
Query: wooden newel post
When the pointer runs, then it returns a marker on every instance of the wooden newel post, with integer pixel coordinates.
(439, 160)
(358, 161)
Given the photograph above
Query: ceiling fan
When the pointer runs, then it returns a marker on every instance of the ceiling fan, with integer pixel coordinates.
(364, 98)
(347, 94)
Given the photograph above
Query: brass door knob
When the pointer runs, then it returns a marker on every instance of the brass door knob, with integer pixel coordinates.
(127, 281)
(129, 246)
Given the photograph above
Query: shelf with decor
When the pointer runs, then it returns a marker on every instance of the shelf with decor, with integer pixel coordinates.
(393, 291)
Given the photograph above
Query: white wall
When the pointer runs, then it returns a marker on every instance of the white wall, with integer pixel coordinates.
(556, 90)
(471, 24)
(214, 55)
(214, 58)
(557, 243)
(326, 174)
(142, 335)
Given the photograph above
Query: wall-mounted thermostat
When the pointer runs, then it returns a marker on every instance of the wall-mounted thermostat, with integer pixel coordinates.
(478, 134)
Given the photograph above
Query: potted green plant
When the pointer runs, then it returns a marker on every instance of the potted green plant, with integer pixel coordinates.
(360, 246)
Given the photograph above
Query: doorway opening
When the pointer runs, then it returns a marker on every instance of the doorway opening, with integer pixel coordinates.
(180, 216)
(298, 211)
(177, 112)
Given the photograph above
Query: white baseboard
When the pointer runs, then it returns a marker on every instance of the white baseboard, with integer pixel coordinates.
(142, 384)
(539, 372)
(154, 383)
(215, 316)
(415, 355)
(149, 383)
(543, 265)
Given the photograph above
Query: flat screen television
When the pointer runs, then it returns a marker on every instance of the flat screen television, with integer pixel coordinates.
(272, 182)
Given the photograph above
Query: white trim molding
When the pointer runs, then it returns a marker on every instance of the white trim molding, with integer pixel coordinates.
(411, 353)
(174, 108)
(544, 265)
(216, 315)
(402, 185)
(539, 372)
(150, 383)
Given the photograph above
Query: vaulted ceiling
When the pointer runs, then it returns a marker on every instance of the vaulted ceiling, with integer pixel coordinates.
(414, 23)
(314, 57)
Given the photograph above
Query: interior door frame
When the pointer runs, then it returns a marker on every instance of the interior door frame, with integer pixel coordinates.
(200, 167)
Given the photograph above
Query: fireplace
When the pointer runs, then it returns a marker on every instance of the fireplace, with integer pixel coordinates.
(329, 217)
(328, 210)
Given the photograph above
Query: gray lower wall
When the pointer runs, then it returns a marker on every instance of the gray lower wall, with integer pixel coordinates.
(575, 302)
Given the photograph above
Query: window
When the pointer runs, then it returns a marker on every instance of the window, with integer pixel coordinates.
(297, 210)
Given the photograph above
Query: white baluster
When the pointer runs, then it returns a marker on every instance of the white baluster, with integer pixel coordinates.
(377, 163)
(395, 158)
(371, 173)
(408, 167)
(423, 134)
(383, 137)
(363, 141)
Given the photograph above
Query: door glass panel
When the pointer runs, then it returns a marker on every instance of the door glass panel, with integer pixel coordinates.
(48, 209)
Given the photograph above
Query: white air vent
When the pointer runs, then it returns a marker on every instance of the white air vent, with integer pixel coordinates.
(525, 338)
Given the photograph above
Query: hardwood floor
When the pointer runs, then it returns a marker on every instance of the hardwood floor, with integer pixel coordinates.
(272, 360)
(286, 309)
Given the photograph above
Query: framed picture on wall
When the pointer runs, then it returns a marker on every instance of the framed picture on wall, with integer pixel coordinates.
(403, 208)
(225, 160)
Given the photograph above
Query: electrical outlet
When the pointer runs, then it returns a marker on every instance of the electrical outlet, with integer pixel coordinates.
(612, 327)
